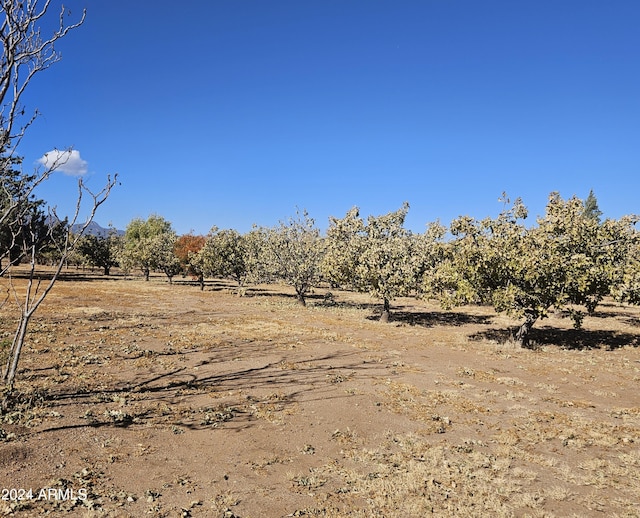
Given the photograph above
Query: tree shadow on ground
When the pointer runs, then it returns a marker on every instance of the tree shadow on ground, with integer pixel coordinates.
(65, 275)
(598, 314)
(621, 316)
(571, 339)
(410, 317)
(434, 318)
(632, 321)
(274, 293)
(273, 386)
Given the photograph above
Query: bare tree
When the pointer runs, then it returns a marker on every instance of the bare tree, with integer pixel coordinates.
(27, 52)
(34, 295)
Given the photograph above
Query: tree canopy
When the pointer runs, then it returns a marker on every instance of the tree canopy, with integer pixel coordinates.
(567, 261)
(375, 257)
(293, 253)
(148, 244)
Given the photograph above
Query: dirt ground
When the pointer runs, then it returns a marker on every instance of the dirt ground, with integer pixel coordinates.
(144, 399)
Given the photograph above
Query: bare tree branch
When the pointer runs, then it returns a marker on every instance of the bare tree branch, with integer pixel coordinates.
(34, 296)
(25, 53)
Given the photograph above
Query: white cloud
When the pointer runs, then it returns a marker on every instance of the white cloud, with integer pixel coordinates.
(67, 162)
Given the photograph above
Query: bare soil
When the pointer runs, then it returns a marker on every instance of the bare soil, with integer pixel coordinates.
(159, 400)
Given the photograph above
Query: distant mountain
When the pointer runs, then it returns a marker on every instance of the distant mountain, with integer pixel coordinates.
(94, 229)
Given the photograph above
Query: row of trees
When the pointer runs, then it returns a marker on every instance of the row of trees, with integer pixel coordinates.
(569, 259)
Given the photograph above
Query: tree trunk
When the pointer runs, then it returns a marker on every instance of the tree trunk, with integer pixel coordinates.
(16, 349)
(386, 311)
(300, 298)
(107, 270)
(201, 281)
(146, 274)
(522, 336)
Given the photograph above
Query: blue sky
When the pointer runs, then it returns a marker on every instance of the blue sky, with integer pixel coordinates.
(231, 113)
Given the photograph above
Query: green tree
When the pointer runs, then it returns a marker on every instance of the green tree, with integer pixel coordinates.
(145, 244)
(342, 249)
(624, 246)
(376, 257)
(23, 221)
(591, 209)
(101, 251)
(13, 206)
(166, 260)
(568, 261)
(225, 255)
(429, 251)
(256, 258)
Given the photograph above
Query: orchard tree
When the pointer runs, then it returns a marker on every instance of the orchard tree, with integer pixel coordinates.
(344, 243)
(186, 250)
(386, 268)
(623, 246)
(429, 251)
(256, 256)
(293, 253)
(25, 53)
(473, 264)
(242, 257)
(145, 244)
(568, 261)
(224, 255)
(376, 257)
(100, 250)
(165, 257)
